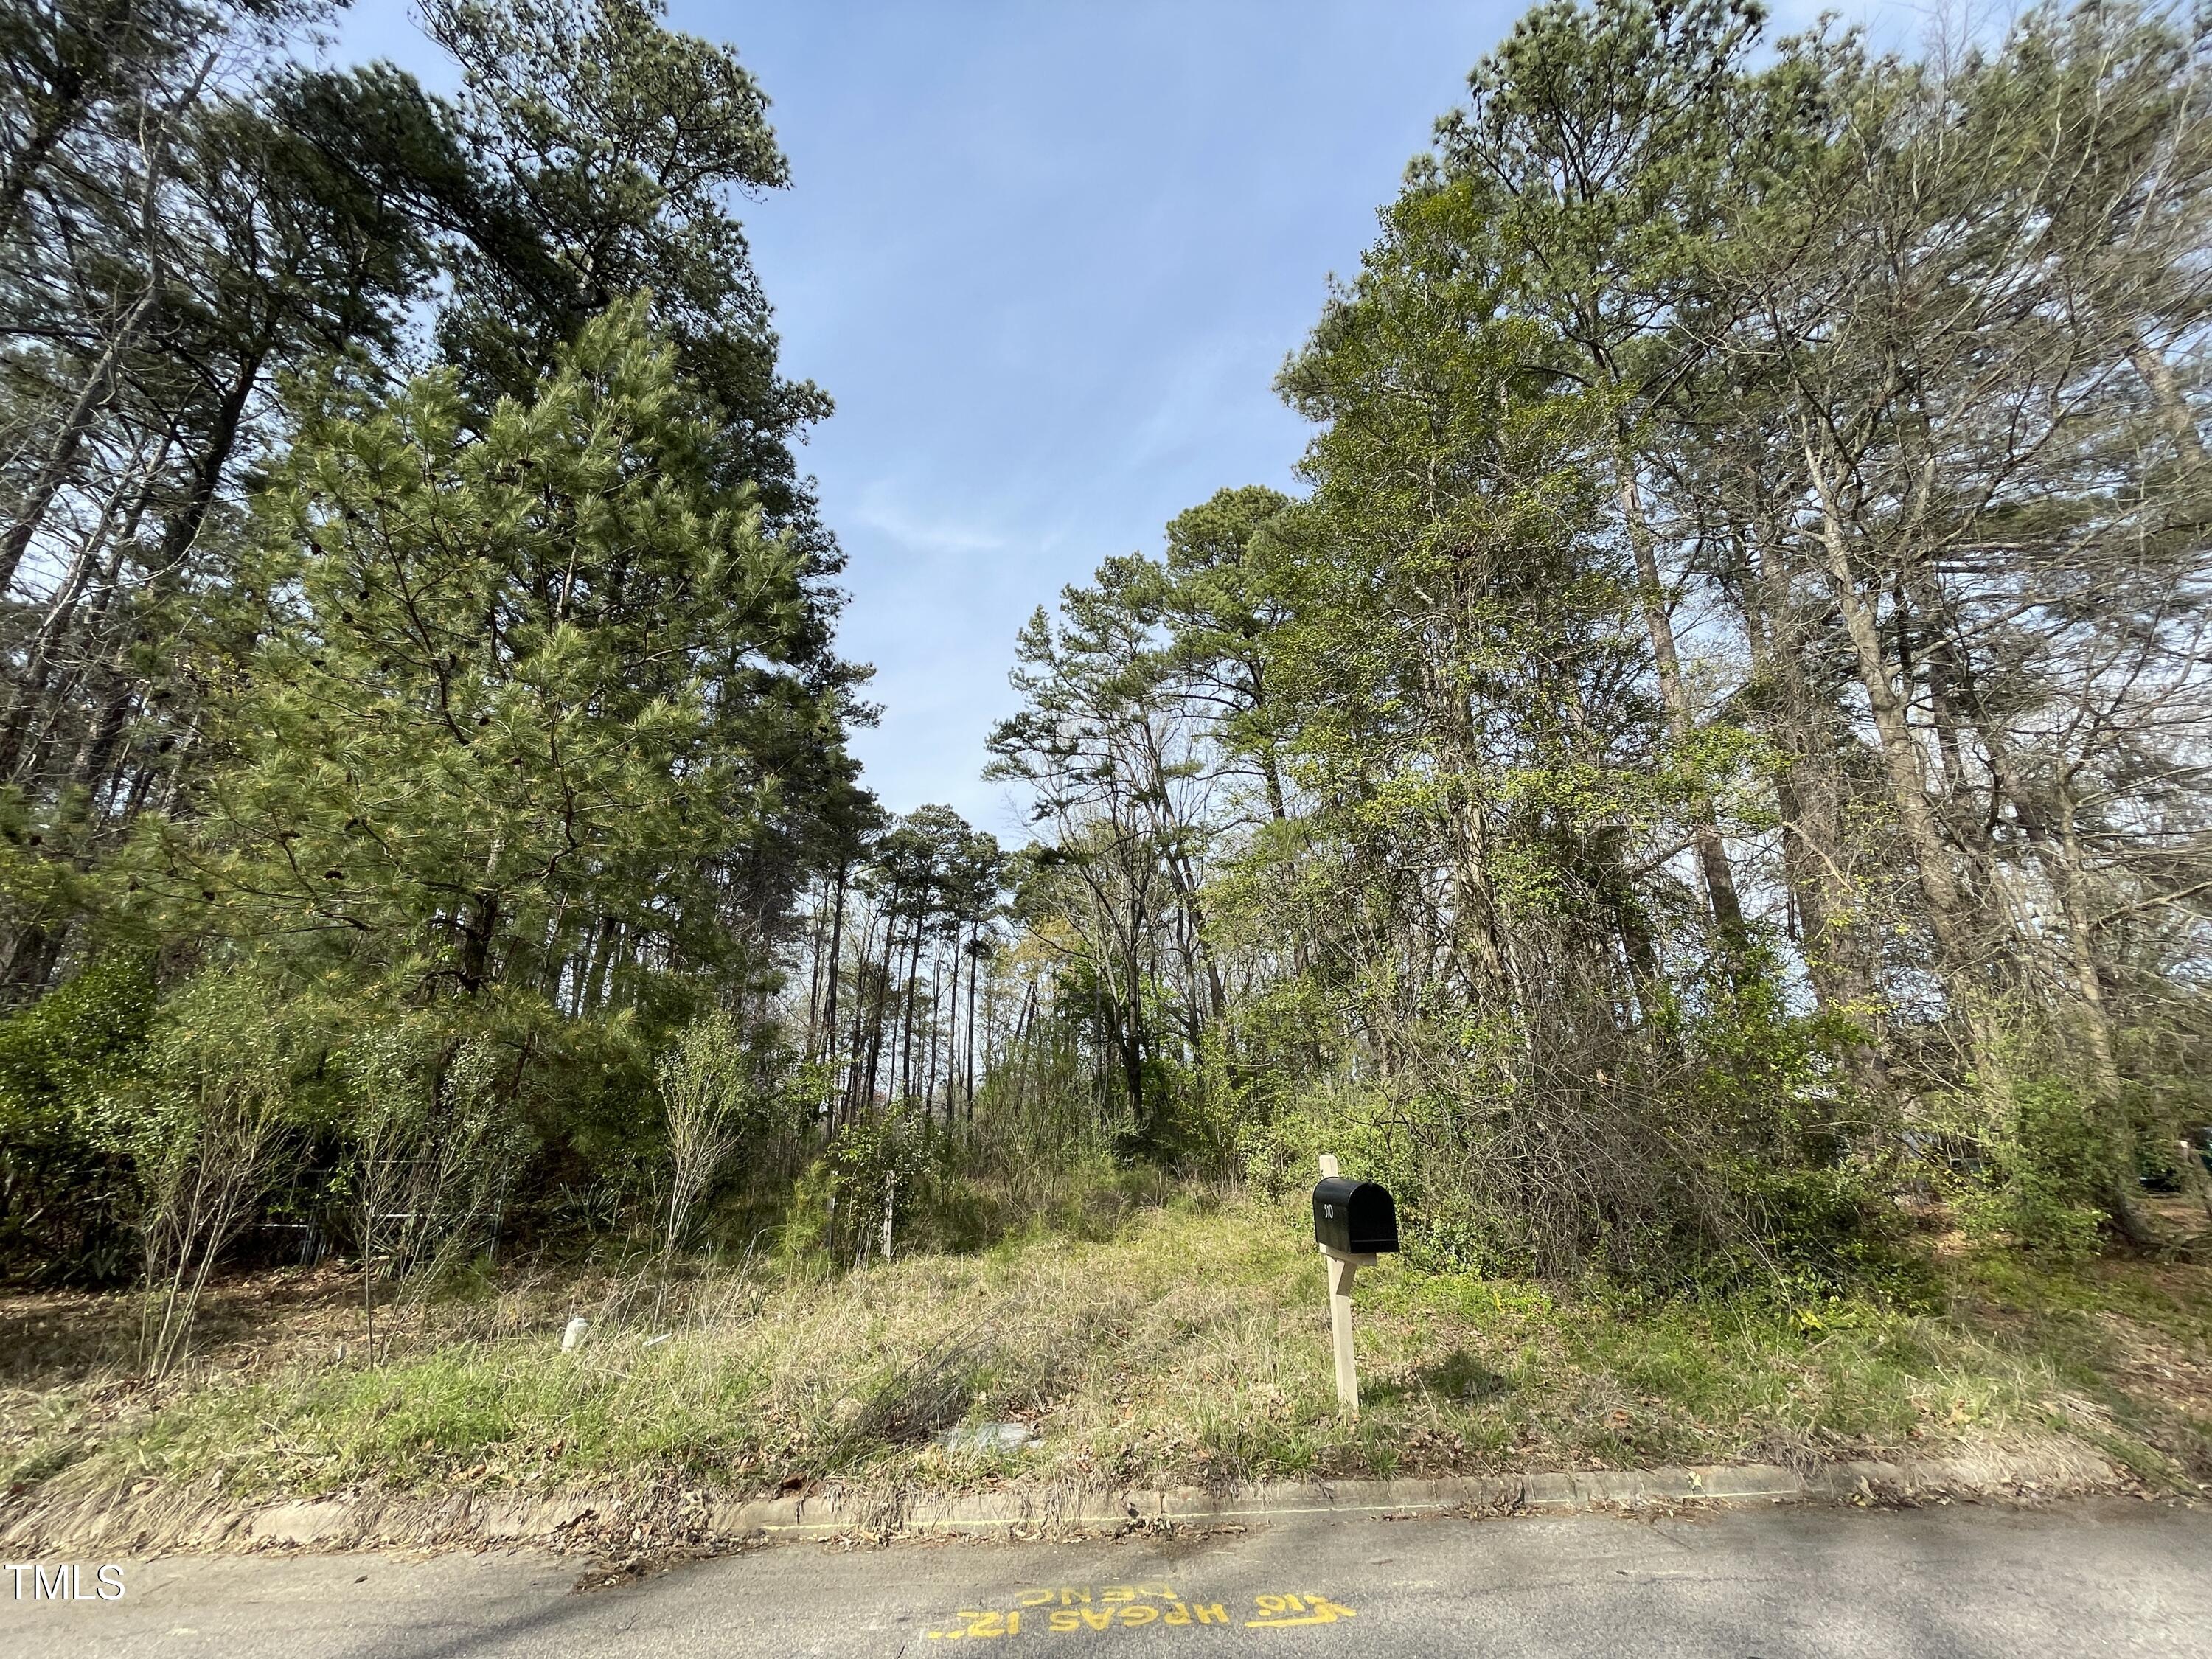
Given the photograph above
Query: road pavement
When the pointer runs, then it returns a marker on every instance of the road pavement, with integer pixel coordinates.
(1938, 1583)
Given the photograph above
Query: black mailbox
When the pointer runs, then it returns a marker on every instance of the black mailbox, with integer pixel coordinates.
(1355, 1217)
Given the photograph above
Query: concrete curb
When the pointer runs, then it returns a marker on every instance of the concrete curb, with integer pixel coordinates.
(2053, 1468)
(127, 1521)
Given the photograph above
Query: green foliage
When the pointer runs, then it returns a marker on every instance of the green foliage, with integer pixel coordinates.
(732, 1103)
(519, 669)
(1756, 1170)
(457, 745)
(717, 1077)
(870, 1170)
(1205, 1110)
(1490, 932)
(606, 129)
(222, 1057)
(487, 720)
(63, 1182)
(2048, 1170)
(433, 1144)
(205, 1125)
(62, 1051)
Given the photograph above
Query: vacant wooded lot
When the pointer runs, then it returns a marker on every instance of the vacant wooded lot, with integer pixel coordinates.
(1703, 786)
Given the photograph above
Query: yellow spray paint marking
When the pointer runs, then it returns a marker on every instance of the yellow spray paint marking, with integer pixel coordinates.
(982, 1623)
(1295, 1610)
(1081, 1609)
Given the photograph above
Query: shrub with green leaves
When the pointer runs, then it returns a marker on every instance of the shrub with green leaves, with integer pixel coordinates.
(203, 1123)
(64, 1183)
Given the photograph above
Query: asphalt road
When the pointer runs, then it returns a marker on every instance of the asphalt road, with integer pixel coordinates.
(1772, 1583)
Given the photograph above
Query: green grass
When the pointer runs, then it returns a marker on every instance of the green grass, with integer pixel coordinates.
(1190, 1346)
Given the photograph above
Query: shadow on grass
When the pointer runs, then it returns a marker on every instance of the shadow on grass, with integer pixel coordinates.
(1459, 1376)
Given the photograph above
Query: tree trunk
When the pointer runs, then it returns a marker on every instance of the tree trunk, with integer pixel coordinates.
(883, 1002)
(975, 973)
(952, 1036)
(2123, 1183)
(853, 1073)
(1021, 1045)
(1712, 855)
(1901, 756)
(906, 1011)
(836, 954)
(61, 612)
(1903, 768)
(59, 465)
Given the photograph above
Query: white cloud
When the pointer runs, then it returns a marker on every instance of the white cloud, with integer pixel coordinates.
(899, 522)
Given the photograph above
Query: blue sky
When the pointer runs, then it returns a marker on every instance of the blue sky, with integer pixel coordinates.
(1047, 257)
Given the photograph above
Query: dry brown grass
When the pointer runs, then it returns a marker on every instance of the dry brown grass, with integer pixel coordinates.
(1191, 1346)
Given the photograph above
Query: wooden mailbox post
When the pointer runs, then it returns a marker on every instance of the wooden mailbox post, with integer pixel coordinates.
(1354, 1223)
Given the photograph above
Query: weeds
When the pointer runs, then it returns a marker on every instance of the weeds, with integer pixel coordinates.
(1189, 1347)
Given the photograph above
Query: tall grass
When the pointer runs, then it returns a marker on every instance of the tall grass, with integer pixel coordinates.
(1189, 1345)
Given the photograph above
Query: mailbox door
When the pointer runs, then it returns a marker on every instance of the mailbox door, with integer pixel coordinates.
(1374, 1214)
